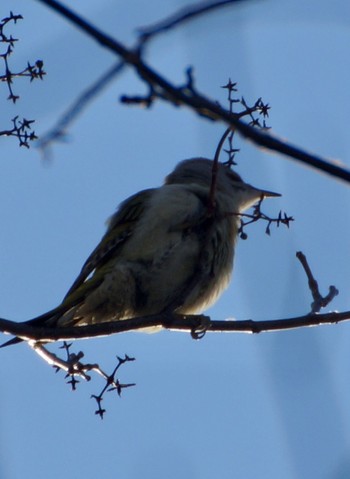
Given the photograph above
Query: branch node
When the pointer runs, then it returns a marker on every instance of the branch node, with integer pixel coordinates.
(199, 331)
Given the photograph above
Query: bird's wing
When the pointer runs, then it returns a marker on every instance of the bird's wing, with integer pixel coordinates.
(120, 228)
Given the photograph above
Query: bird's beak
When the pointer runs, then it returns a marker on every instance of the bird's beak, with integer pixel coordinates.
(258, 193)
(252, 195)
(265, 193)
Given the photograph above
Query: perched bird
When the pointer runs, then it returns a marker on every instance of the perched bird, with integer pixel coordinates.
(166, 248)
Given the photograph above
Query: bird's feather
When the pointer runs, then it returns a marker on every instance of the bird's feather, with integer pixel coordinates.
(120, 228)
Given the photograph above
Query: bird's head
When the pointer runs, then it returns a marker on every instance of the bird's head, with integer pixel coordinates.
(200, 171)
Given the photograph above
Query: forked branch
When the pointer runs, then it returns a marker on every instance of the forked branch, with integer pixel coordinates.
(203, 106)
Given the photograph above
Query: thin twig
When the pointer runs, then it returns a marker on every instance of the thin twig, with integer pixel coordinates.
(319, 301)
(112, 384)
(58, 131)
(187, 13)
(22, 130)
(75, 368)
(71, 365)
(211, 204)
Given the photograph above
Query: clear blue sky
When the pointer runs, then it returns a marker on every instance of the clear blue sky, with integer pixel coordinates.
(275, 405)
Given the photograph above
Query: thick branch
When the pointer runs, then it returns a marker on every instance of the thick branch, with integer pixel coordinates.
(200, 104)
(174, 322)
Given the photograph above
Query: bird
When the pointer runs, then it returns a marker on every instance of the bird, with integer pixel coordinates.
(169, 248)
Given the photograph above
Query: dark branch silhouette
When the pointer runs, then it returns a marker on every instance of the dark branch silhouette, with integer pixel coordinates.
(187, 95)
(59, 131)
(21, 128)
(171, 321)
(75, 368)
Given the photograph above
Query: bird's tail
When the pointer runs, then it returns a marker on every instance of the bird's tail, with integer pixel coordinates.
(65, 311)
(49, 318)
(11, 342)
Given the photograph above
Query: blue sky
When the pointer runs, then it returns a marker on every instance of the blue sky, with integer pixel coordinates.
(269, 406)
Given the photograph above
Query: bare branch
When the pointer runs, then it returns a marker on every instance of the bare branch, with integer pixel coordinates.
(319, 301)
(72, 365)
(75, 368)
(33, 72)
(59, 131)
(170, 321)
(22, 130)
(187, 13)
(198, 103)
(112, 384)
(282, 219)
